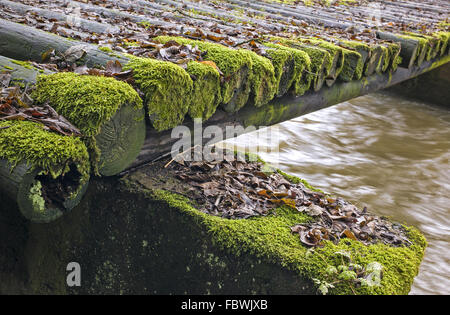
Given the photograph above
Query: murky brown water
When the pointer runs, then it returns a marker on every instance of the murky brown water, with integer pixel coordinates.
(387, 153)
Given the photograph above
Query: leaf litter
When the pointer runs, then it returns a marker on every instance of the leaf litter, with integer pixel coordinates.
(241, 189)
(18, 105)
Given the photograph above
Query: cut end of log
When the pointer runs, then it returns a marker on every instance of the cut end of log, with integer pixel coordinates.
(41, 198)
(121, 139)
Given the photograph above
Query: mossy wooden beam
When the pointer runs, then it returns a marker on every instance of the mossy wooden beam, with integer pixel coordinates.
(321, 60)
(297, 77)
(109, 114)
(283, 13)
(45, 173)
(336, 53)
(22, 72)
(22, 42)
(410, 47)
(349, 62)
(288, 107)
(236, 66)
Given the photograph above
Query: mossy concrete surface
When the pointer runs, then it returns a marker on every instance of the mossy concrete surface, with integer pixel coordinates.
(133, 236)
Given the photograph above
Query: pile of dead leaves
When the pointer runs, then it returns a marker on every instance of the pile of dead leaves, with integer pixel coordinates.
(337, 219)
(17, 105)
(236, 188)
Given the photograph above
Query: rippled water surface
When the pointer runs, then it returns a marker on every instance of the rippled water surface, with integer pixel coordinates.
(384, 152)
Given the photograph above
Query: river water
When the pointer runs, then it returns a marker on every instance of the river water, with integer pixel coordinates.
(381, 151)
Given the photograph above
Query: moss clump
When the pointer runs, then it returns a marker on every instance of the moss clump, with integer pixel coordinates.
(301, 79)
(363, 49)
(394, 54)
(51, 153)
(444, 38)
(334, 50)
(206, 92)
(167, 88)
(86, 101)
(262, 79)
(236, 66)
(280, 58)
(385, 60)
(353, 65)
(321, 60)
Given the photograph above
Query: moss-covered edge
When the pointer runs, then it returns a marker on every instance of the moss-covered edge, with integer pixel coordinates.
(86, 101)
(269, 238)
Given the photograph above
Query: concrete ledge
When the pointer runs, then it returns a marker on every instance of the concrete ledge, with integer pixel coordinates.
(131, 237)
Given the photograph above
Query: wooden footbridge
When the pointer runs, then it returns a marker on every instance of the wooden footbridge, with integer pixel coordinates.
(229, 63)
(92, 90)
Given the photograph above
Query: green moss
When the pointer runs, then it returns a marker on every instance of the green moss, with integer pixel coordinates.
(105, 49)
(262, 79)
(353, 65)
(350, 63)
(236, 65)
(279, 59)
(334, 50)
(36, 198)
(394, 53)
(206, 92)
(385, 60)
(24, 64)
(86, 101)
(270, 239)
(167, 88)
(296, 180)
(8, 67)
(51, 153)
(363, 49)
(321, 60)
(444, 38)
(301, 80)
